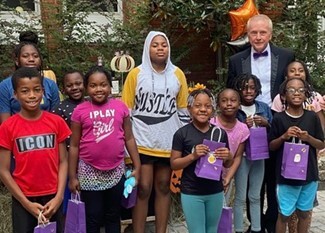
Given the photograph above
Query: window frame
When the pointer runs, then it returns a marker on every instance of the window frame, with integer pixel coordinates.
(37, 10)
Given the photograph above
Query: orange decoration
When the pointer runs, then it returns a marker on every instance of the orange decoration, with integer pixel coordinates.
(175, 181)
(239, 18)
(197, 86)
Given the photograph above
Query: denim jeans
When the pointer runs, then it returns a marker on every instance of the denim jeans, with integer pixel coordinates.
(254, 172)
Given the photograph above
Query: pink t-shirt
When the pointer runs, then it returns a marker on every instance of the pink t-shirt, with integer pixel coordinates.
(311, 104)
(236, 135)
(319, 99)
(102, 140)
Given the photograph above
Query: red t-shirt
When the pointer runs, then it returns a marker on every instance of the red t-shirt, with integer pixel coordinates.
(34, 144)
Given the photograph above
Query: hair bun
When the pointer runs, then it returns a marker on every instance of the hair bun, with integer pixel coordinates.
(28, 36)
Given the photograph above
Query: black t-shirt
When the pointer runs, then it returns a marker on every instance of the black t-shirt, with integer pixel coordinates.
(184, 140)
(65, 110)
(309, 122)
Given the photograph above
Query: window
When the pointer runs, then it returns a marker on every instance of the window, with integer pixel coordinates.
(292, 4)
(94, 5)
(107, 5)
(27, 5)
(23, 13)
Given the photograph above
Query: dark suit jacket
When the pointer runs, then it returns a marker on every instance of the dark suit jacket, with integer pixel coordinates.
(240, 63)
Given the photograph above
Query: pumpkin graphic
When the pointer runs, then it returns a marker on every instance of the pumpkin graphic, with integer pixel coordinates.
(175, 181)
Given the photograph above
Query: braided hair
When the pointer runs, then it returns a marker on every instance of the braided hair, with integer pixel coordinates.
(241, 83)
(192, 96)
(283, 91)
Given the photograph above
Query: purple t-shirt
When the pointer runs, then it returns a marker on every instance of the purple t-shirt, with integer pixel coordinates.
(102, 140)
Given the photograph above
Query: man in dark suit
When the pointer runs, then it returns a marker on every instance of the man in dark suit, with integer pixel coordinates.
(274, 60)
(269, 64)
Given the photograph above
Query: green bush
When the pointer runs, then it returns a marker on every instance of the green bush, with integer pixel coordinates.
(76, 46)
(75, 42)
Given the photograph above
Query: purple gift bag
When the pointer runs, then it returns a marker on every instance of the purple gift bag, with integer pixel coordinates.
(131, 200)
(42, 227)
(208, 166)
(295, 161)
(76, 216)
(225, 223)
(46, 228)
(257, 146)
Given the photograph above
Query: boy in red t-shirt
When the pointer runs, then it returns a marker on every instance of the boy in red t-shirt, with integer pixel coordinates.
(36, 139)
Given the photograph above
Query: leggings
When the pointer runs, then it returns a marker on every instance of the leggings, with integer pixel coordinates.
(202, 212)
(104, 208)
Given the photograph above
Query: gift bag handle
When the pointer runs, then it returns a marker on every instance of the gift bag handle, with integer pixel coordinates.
(294, 140)
(40, 219)
(212, 132)
(224, 201)
(254, 125)
(75, 196)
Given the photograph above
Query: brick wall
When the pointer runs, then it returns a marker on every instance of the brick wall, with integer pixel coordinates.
(200, 64)
(49, 9)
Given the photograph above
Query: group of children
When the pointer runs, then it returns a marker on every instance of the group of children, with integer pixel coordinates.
(101, 130)
(237, 112)
(39, 179)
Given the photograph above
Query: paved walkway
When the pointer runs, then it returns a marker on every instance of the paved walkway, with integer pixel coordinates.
(318, 219)
(317, 225)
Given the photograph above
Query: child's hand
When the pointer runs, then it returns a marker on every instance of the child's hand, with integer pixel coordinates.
(249, 121)
(74, 185)
(223, 153)
(35, 209)
(303, 135)
(51, 207)
(293, 131)
(260, 121)
(136, 174)
(225, 182)
(200, 150)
